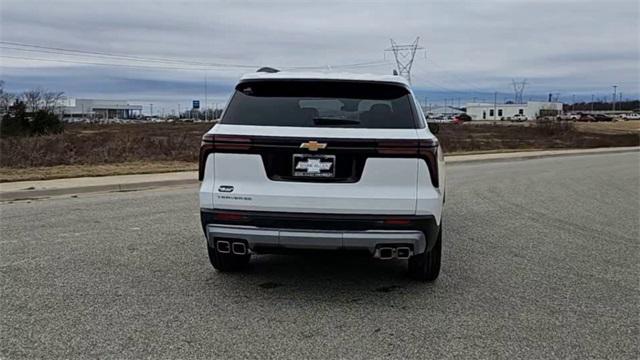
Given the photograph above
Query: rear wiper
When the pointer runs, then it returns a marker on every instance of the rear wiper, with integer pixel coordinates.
(335, 121)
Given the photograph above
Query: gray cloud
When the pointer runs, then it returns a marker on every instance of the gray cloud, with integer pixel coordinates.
(579, 47)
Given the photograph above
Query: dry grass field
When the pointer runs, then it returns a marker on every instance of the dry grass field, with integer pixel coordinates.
(113, 149)
(614, 128)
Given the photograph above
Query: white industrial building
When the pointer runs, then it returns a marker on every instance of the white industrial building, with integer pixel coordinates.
(99, 109)
(531, 110)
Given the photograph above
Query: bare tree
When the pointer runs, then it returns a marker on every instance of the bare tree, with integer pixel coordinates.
(6, 99)
(51, 100)
(33, 99)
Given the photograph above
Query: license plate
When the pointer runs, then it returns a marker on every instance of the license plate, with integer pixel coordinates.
(307, 165)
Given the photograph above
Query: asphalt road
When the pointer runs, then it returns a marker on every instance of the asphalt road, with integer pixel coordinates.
(541, 260)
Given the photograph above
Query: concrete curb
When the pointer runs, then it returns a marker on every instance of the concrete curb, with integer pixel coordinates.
(44, 193)
(529, 155)
(26, 190)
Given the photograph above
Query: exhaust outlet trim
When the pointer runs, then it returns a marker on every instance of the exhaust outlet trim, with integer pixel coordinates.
(223, 246)
(385, 253)
(403, 252)
(239, 248)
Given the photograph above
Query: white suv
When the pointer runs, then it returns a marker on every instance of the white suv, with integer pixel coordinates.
(322, 162)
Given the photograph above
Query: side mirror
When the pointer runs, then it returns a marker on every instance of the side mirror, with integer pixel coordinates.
(434, 128)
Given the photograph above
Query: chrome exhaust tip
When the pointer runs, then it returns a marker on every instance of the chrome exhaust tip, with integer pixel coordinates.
(223, 246)
(385, 253)
(239, 248)
(403, 252)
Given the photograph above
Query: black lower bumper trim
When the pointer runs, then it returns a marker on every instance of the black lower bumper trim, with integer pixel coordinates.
(314, 221)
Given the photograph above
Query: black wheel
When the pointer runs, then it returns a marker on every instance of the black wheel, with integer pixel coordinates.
(227, 262)
(426, 266)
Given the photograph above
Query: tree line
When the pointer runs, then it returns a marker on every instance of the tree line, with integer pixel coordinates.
(32, 112)
(628, 105)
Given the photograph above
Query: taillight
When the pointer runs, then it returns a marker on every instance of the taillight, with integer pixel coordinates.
(398, 147)
(232, 142)
(219, 143)
(206, 147)
(229, 216)
(426, 149)
(396, 221)
(429, 152)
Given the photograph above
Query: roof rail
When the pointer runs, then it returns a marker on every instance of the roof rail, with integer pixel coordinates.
(267, 69)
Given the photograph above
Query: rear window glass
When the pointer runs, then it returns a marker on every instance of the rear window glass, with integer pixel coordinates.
(321, 104)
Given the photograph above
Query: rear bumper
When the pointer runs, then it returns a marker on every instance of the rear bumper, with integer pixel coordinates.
(271, 231)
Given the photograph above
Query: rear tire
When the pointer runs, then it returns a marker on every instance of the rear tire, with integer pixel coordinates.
(426, 266)
(227, 262)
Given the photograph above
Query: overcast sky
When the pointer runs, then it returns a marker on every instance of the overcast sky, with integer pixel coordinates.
(472, 48)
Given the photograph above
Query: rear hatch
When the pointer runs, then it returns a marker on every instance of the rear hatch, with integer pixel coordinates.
(317, 147)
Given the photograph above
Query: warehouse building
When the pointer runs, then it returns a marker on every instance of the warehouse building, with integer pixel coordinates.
(531, 110)
(100, 109)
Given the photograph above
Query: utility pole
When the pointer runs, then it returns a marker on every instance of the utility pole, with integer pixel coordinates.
(179, 112)
(445, 108)
(151, 109)
(592, 103)
(404, 55)
(495, 104)
(615, 87)
(206, 104)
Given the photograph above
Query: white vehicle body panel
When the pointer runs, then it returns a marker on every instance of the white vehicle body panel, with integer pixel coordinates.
(377, 192)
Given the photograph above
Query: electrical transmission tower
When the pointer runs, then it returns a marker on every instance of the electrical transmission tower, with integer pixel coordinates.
(404, 55)
(518, 89)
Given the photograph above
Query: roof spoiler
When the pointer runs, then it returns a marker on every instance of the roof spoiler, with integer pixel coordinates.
(267, 69)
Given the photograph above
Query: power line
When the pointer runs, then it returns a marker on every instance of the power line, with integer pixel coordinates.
(99, 64)
(125, 57)
(110, 56)
(356, 65)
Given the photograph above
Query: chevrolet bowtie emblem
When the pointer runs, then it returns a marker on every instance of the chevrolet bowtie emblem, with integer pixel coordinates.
(313, 145)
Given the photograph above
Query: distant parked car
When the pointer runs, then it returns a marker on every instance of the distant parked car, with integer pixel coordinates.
(631, 116)
(437, 119)
(601, 117)
(460, 118)
(519, 117)
(585, 117)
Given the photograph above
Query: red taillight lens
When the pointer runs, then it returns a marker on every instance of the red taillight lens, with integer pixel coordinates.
(398, 147)
(396, 222)
(211, 143)
(224, 216)
(231, 142)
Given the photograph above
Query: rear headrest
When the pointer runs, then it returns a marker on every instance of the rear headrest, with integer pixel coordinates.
(310, 113)
(381, 108)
